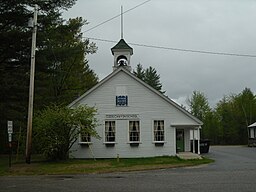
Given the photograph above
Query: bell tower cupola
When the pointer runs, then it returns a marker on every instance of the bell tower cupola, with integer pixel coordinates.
(122, 54)
(122, 51)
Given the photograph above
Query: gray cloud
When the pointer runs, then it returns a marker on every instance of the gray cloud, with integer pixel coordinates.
(210, 25)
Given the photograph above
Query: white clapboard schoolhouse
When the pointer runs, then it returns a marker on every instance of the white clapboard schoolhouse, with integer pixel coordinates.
(134, 119)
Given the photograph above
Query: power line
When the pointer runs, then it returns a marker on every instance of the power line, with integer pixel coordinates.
(116, 16)
(162, 47)
(178, 49)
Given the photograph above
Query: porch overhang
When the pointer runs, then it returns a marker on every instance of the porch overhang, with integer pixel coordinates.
(195, 136)
(252, 125)
(187, 126)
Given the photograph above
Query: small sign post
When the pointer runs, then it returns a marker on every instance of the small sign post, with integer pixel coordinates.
(10, 131)
(10, 127)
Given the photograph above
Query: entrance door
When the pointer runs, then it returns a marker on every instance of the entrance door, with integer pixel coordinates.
(180, 140)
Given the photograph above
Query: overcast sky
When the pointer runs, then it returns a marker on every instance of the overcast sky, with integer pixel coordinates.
(227, 26)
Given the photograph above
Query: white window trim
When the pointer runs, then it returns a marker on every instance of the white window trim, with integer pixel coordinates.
(84, 142)
(111, 142)
(159, 142)
(104, 132)
(153, 137)
(128, 132)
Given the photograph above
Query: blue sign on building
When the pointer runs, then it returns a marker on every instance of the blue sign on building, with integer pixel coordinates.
(121, 100)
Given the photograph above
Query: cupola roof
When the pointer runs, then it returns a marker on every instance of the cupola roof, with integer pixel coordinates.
(122, 45)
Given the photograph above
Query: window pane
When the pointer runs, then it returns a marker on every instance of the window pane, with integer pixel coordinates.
(85, 137)
(134, 130)
(158, 130)
(110, 131)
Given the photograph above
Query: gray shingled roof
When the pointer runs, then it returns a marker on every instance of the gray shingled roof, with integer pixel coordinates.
(122, 45)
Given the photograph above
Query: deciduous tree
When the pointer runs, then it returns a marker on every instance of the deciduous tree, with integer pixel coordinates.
(198, 104)
(58, 128)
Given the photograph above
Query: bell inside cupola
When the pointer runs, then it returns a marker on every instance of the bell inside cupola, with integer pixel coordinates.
(122, 60)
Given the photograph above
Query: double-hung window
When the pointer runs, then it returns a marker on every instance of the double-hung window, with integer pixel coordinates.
(110, 131)
(158, 130)
(85, 137)
(134, 131)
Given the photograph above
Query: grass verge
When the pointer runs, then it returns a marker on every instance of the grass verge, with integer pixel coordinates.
(74, 166)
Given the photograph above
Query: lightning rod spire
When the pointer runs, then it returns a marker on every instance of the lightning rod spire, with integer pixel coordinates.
(122, 32)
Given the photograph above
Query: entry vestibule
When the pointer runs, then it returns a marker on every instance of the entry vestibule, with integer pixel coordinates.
(186, 138)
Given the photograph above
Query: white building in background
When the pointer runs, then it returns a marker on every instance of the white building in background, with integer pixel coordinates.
(252, 135)
(134, 119)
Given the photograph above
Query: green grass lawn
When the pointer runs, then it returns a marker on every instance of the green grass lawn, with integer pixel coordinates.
(74, 166)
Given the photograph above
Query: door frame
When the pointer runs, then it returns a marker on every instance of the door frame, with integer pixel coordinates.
(180, 146)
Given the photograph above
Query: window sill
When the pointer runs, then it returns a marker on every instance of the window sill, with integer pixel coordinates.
(159, 142)
(130, 142)
(85, 143)
(109, 144)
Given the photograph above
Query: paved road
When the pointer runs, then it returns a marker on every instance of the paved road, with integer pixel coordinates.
(234, 171)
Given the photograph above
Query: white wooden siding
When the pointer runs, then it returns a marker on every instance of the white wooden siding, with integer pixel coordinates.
(142, 101)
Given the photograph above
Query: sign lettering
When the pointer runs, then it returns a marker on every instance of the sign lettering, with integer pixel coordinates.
(122, 116)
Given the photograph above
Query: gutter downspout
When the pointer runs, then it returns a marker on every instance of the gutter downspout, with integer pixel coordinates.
(193, 140)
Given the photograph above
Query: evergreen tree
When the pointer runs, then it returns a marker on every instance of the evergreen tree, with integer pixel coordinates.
(149, 76)
(140, 72)
(62, 72)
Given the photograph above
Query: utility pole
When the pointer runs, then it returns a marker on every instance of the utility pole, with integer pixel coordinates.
(31, 88)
